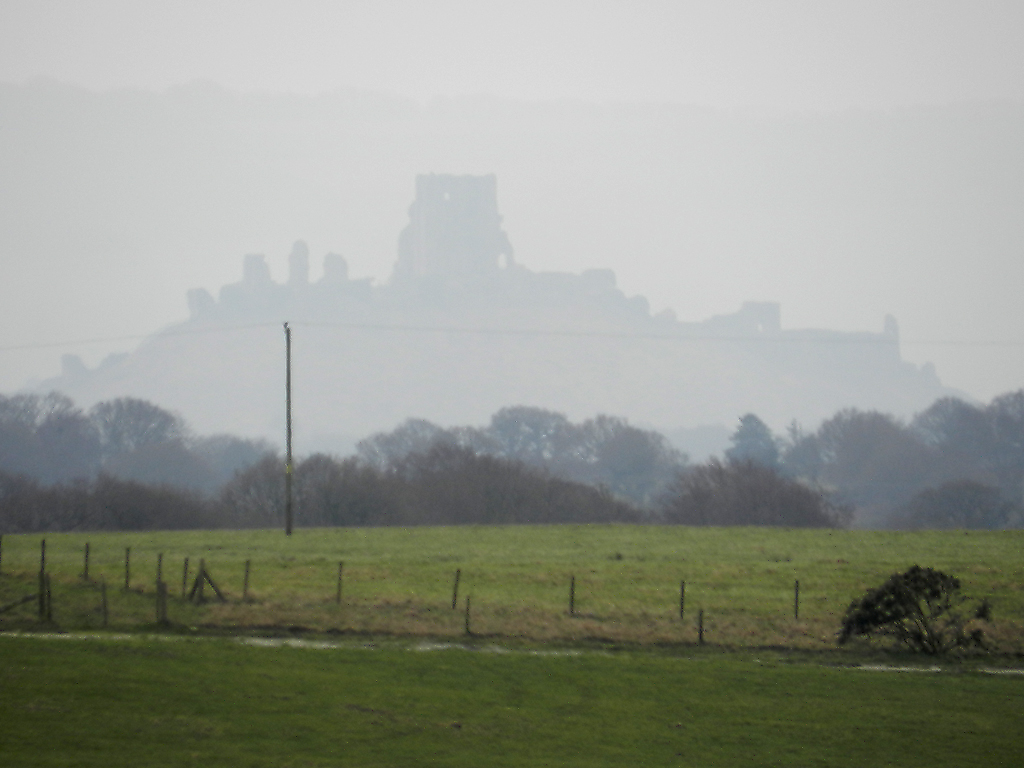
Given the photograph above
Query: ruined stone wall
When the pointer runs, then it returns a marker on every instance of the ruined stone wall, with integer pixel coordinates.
(454, 228)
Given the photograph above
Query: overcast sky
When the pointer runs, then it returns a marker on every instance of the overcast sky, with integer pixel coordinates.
(752, 57)
(788, 54)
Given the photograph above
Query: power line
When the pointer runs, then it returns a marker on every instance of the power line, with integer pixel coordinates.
(132, 337)
(783, 337)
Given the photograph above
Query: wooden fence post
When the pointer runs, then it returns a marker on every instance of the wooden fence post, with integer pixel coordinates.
(161, 602)
(42, 579)
(127, 568)
(682, 599)
(572, 595)
(455, 588)
(467, 616)
(245, 582)
(700, 627)
(159, 567)
(49, 600)
(796, 599)
(103, 597)
(85, 566)
(341, 567)
(184, 578)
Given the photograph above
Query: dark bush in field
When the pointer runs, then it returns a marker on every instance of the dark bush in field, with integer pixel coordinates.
(920, 609)
(746, 493)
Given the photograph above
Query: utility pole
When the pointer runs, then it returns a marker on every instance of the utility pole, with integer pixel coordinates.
(288, 430)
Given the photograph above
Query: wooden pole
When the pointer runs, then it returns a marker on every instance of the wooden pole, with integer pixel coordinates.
(572, 595)
(42, 556)
(245, 582)
(341, 566)
(455, 587)
(288, 430)
(796, 599)
(682, 599)
(85, 567)
(103, 597)
(467, 616)
(201, 581)
(159, 567)
(700, 627)
(49, 600)
(184, 578)
(127, 568)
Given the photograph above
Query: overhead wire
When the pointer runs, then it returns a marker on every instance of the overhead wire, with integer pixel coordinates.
(796, 336)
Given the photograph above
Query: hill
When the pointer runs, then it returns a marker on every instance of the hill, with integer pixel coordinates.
(461, 330)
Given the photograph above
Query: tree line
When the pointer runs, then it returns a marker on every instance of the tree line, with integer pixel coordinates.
(442, 485)
(49, 440)
(954, 465)
(128, 465)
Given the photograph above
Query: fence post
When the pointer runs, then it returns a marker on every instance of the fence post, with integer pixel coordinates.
(85, 566)
(159, 567)
(184, 578)
(341, 566)
(700, 627)
(42, 579)
(201, 581)
(572, 595)
(245, 582)
(455, 588)
(796, 599)
(467, 616)
(127, 568)
(161, 602)
(49, 600)
(682, 599)
(103, 597)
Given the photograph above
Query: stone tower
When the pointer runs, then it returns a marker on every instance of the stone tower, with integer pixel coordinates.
(454, 229)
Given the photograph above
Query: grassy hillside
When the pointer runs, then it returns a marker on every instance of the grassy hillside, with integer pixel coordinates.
(518, 578)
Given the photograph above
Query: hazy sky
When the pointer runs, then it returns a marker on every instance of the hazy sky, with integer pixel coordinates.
(754, 57)
(787, 54)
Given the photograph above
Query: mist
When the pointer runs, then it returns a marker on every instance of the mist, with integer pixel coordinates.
(847, 163)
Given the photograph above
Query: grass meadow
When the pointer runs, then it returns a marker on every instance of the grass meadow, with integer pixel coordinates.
(389, 677)
(174, 701)
(399, 581)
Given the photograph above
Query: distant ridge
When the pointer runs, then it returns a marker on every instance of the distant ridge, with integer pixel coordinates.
(462, 330)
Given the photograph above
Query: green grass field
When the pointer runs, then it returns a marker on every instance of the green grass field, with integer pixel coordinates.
(622, 682)
(398, 582)
(172, 701)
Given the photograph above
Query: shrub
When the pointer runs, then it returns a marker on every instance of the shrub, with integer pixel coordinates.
(747, 493)
(921, 609)
(960, 504)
